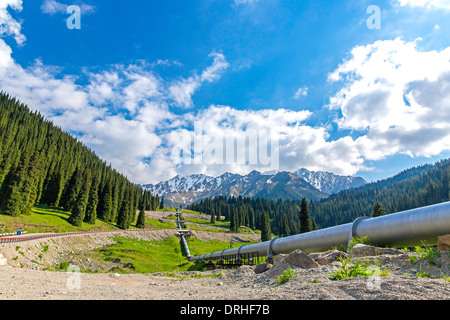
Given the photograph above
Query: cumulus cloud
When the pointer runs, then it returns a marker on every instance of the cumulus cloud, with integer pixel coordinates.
(397, 95)
(181, 91)
(8, 25)
(440, 4)
(52, 7)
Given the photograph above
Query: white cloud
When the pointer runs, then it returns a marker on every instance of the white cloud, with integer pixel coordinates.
(52, 7)
(238, 2)
(440, 4)
(301, 92)
(181, 91)
(396, 94)
(8, 25)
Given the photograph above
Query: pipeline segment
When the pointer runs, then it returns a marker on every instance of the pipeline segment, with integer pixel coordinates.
(407, 228)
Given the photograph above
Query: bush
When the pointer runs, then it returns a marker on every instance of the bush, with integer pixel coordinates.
(359, 269)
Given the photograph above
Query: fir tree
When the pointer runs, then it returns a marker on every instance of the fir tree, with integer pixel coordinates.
(304, 217)
(266, 233)
(213, 216)
(378, 210)
(141, 218)
(91, 209)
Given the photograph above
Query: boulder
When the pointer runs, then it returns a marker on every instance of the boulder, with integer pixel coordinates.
(325, 258)
(362, 250)
(444, 243)
(263, 267)
(300, 259)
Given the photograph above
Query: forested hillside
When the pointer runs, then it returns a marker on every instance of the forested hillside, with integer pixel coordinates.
(412, 188)
(39, 163)
(283, 217)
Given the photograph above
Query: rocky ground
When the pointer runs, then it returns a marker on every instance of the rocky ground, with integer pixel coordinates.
(407, 280)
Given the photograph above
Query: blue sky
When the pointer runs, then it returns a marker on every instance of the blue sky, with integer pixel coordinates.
(333, 94)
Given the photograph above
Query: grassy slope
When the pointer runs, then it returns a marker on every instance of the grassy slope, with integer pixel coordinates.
(47, 219)
(146, 256)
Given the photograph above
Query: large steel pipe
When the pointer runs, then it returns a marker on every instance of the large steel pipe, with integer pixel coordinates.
(407, 228)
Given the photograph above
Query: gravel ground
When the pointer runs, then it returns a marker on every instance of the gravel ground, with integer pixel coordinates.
(240, 284)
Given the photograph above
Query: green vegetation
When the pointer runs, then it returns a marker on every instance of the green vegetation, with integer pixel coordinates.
(359, 240)
(45, 219)
(157, 256)
(40, 163)
(412, 188)
(428, 254)
(287, 275)
(358, 269)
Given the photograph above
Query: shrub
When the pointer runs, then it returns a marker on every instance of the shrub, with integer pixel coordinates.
(287, 275)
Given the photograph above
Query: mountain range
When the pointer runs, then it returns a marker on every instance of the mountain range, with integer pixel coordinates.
(269, 185)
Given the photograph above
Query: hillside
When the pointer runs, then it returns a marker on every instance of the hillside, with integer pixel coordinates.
(41, 164)
(412, 188)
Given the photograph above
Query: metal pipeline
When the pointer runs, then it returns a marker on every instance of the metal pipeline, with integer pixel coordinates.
(188, 253)
(407, 228)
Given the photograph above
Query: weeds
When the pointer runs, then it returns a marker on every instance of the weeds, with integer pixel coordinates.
(359, 269)
(287, 275)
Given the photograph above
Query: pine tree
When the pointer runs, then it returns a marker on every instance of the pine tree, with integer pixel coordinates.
(91, 209)
(266, 233)
(304, 217)
(161, 205)
(141, 218)
(106, 203)
(378, 210)
(123, 214)
(79, 206)
(233, 220)
(213, 216)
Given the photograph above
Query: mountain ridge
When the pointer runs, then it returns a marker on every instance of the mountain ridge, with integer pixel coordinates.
(270, 185)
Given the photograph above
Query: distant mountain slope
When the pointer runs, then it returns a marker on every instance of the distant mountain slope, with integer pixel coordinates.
(330, 183)
(412, 188)
(274, 185)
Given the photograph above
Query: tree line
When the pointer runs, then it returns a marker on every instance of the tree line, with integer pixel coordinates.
(412, 188)
(281, 218)
(41, 164)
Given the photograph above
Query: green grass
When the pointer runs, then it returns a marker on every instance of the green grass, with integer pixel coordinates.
(158, 256)
(48, 220)
(153, 223)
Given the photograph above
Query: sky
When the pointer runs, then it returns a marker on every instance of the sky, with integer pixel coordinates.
(175, 87)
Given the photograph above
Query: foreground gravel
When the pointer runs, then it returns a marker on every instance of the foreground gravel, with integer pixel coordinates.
(240, 284)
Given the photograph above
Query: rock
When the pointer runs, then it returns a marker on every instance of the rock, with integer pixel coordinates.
(444, 243)
(324, 258)
(300, 259)
(362, 250)
(116, 260)
(263, 267)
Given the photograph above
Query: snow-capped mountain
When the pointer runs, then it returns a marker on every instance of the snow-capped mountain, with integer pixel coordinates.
(270, 185)
(330, 183)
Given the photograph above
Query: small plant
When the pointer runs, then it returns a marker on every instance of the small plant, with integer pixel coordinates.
(287, 275)
(428, 254)
(316, 281)
(445, 277)
(348, 271)
(422, 274)
(359, 240)
(412, 259)
(359, 269)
